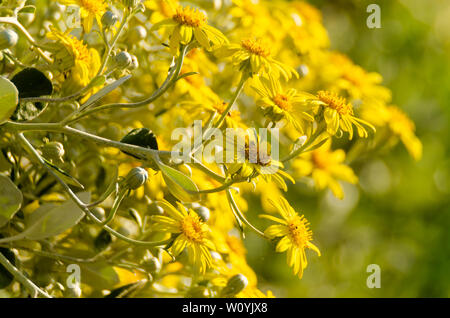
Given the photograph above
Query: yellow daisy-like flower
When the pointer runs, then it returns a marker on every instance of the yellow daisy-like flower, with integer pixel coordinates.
(338, 114)
(403, 127)
(188, 24)
(254, 55)
(78, 63)
(279, 103)
(294, 233)
(253, 159)
(192, 233)
(325, 167)
(90, 10)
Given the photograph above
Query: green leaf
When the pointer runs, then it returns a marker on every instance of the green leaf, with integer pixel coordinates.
(51, 219)
(142, 137)
(9, 97)
(99, 275)
(28, 9)
(10, 199)
(104, 91)
(178, 183)
(67, 178)
(31, 82)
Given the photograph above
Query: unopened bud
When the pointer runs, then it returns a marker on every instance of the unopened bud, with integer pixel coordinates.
(203, 213)
(109, 19)
(153, 265)
(99, 213)
(123, 59)
(53, 150)
(136, 178)
(134, 63)
(235, 285)
(8, 39)
(137, 33)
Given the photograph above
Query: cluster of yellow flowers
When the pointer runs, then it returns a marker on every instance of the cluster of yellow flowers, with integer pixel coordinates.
(232, 64)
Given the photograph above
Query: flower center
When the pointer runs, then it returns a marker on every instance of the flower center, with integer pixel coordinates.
(299, 231)
(336, 102)
(190, 17)
(220, 107)
(282, 101)
(93, 6)
(256, 47)
(191, 227)
(319, 159)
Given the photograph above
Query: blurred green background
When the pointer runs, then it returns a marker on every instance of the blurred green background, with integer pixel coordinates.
(398, 217)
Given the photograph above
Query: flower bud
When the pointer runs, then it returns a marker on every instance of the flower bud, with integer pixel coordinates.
(136, 178)
(8, 39)
(153, 265)
(99, 213)
(235, 285)
(109, 19)
(203, 213)
(137, 33)
(134, 63)
(123, 59)
(53, 150)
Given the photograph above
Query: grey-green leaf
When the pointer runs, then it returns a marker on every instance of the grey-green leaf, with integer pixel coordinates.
(51, 220)
(67, 178)
(10, 199)
(104, 91)
(178, 183)
(9, 98)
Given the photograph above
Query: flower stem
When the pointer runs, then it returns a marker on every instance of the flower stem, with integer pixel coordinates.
(35, 290)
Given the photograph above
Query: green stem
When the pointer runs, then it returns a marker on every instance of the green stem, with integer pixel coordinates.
(18, 25)
(311, 139)
(171, 78)
(232, 102)
(115, 206)
(35, 290)
(125, 20)
(140, 152)
(242, 216)
(26, 144)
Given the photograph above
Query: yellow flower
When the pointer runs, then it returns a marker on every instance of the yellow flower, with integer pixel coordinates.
(403, 127)
(338, 114)
(188, 24)
(89, 10)
(325, 167)
(78, 63)
(279, 103)
(294, 233)
(357, 82)
(254, 56)
(192, 233)
(253, 159)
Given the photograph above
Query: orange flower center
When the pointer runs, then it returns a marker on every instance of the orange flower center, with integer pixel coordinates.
(190, 17)
(220, 107)
(299, 231)
(320, 159)
(192, 228)
(336, 102)
(256, 47)
(282, 101)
